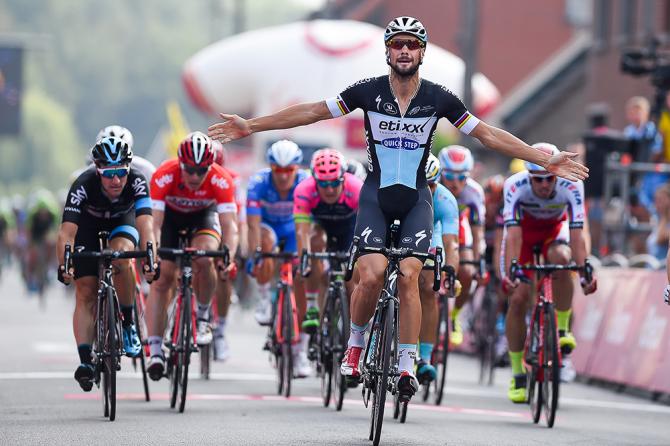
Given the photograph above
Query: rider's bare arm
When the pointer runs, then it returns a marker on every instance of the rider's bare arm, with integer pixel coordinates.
(158, 216)
(477, 237)
(293, 116)
(302, 232)
(254, 223)
(508, 144)
(512, 246)
(578, 245)
(228, 221)
(450, 243)
(66, 235)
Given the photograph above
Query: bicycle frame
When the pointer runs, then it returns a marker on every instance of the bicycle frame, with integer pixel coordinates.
(286, 283)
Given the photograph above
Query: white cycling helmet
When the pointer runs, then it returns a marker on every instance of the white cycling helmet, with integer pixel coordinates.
(118, 132)
(406, 25)
(545, 147)
(456, 158)
(284, 153)
(433, 169)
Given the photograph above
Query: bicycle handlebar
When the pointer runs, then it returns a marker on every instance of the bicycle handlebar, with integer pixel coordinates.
(396, 254)
(549, 268)
(274, 255)
(305, 257)
(193, 252)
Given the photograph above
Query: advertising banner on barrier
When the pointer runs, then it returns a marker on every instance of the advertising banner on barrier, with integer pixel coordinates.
(622, 329)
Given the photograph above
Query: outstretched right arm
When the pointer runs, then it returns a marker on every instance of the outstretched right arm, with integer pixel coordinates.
(234, 127)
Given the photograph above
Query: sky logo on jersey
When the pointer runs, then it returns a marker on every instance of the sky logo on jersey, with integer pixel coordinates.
(400, 143)
(78, 196)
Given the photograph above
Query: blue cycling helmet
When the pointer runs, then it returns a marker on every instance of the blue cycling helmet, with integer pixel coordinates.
(111, 151)
(284, 153)
(545, 147)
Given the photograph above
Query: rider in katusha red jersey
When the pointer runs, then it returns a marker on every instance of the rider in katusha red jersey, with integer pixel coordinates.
(194, 194)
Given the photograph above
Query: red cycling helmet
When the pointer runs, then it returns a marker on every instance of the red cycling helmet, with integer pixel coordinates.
(327, 165)
(196, 150)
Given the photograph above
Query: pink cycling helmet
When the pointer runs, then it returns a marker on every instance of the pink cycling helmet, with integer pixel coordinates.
(327, 165)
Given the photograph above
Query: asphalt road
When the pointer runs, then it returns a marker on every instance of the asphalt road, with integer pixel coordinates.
(40, 403)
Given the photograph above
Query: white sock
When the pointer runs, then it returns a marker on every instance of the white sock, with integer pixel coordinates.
(155, 345)
(357, 336)
(265, 291)
(406, 357)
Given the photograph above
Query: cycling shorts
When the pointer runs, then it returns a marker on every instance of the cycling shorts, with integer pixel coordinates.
(87, 236)
(414, 209)
(538, 232)
(204, 222)
(282, 234)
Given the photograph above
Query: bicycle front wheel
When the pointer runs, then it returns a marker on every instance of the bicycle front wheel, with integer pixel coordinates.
(551, 365)
(441, 351)
(185, 342)
(325, 366)
(382, 365)
(534, 375)
(112, 352)
(142, 358)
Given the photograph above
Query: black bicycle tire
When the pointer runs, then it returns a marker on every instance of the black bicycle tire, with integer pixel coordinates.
(534, 386)
(325, 358)
(342, 330)
(185, 344)
(142, 359)
(403, 411)
(288, 341)
(112, 351)
(205, 358)
(173, 360)
(100, 351)
(551, 369)
(386, 339)
(441, 365)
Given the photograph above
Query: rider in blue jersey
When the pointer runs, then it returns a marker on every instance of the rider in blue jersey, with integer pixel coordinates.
(401, 111)
(270, 221)
(445, 236)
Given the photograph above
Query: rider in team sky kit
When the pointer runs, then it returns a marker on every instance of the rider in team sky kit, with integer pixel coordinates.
(401, 111)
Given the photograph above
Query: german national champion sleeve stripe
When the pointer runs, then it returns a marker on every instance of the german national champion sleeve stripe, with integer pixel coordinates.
(466, 123)
(337, 107)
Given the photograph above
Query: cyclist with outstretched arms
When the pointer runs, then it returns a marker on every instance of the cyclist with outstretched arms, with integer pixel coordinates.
(324, 210)
(457, 163)
(114, 198)
(445, 236)
(189, 193)
(401, 111)
(541, 209)
(270, 225)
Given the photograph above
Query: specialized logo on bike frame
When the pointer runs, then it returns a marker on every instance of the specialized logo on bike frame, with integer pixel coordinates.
(393, 277)
(390, 108)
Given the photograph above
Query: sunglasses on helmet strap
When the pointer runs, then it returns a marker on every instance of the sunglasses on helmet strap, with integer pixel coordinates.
(451, 176)
(398, 44)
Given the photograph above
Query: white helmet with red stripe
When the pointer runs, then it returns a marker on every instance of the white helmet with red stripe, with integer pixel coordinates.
(456, 158)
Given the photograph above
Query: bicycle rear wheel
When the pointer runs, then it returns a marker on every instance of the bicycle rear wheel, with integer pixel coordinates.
(441, 350)
(382, 365)
(142, 357)
(551, 365)
(185, 342)
(340, 335)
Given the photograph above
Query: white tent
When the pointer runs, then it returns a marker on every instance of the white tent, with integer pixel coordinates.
(258, 72)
